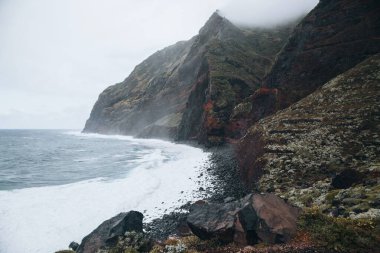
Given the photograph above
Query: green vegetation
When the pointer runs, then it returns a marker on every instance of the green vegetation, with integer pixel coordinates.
(341, 234)
(188, 244)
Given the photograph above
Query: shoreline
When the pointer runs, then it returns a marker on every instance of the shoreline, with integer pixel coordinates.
(77, 208)
(217, 181)
(225, 185)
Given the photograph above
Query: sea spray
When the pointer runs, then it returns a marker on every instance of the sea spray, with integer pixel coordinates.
(44, 219)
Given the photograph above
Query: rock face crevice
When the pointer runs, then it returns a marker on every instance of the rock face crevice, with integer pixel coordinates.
(189, 90)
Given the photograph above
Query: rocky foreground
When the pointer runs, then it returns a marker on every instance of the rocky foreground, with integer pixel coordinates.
(300, 107)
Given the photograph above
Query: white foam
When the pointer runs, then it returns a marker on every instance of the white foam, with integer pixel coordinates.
(46, 219)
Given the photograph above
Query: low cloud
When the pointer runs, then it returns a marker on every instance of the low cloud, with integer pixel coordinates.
(266, 13)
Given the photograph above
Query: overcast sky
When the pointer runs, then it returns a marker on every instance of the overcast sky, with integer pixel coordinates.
(56, 56)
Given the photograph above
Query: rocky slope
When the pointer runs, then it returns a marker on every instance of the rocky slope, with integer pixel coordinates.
(325, 149)
(190, 90)
(332, 38)
(298, 151)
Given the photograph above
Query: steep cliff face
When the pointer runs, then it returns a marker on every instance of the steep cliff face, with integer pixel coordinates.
(298, 151)
(331, 39)
(190, 90)
(325, 149)
(146, 96)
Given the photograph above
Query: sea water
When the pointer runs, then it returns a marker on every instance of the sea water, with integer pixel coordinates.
(56, 186)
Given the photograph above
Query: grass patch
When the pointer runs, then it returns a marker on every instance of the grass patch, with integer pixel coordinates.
(341, 234)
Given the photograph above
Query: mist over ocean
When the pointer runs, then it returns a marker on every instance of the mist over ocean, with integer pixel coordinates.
(56, 186)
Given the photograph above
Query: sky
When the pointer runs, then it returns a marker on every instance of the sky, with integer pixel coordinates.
(57, 56)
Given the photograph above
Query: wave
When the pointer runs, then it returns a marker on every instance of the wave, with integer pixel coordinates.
(45, 219)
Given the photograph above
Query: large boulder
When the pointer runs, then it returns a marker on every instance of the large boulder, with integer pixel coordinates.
(110, 229)
(255, 218)
(209, 220)
(266, 218)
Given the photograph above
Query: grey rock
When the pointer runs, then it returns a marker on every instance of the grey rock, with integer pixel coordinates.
(252, 219)
(74, 246)
(108, 232)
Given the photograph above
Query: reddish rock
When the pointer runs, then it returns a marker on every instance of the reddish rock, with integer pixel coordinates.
(276, 219)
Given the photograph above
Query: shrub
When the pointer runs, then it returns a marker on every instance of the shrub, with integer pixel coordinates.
(341, 234)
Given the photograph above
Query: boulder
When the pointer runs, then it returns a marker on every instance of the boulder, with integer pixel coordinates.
(210, 220)
(346, 179)
(255, 218)
(106, 232)
(269, 218)
(74, 246)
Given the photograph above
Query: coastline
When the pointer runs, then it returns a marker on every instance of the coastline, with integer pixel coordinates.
(224, 186)
(217, 180)
(75, 209)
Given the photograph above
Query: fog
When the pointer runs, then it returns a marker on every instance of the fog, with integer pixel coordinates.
(56, 56)
(266, 13)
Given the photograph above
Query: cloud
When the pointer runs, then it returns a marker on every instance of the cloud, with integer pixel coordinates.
(266, 13)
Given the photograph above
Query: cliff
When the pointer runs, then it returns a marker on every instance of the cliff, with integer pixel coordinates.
(332, 38)
(296, 152)
(324, 149)
(190, 90)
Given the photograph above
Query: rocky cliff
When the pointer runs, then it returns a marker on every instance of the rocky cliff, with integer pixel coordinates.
(332, 38)
(325, 149)
(190, 90)
(298, 151)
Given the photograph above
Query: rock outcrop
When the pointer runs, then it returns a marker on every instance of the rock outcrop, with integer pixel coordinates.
(74, 246)
(253, 219)
(190, 90)
(304, 152)
(108, 232)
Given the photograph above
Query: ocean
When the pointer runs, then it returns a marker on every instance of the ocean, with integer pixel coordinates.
(56, 186)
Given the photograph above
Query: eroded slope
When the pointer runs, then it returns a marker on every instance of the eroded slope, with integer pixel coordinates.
(325, 149)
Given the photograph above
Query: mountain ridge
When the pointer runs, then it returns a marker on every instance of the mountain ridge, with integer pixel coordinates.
(158, 98)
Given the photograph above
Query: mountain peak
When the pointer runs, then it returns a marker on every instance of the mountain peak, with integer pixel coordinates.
(217, 25)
